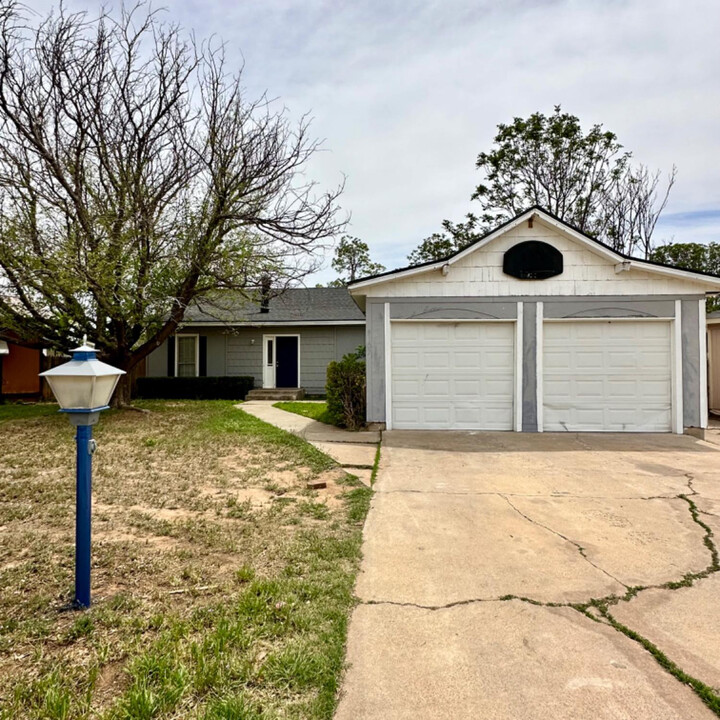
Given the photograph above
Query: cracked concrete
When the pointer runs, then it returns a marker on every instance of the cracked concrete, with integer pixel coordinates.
(636, 541)
(683, 622)
(503, 660)
(441, 549)
(462, 523)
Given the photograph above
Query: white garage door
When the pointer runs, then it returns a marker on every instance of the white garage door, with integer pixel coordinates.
(452, 375)
(607, 376)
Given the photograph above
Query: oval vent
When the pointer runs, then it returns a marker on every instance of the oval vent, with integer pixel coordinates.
(533, 260)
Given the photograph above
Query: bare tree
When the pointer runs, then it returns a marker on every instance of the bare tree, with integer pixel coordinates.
(136, 178)
(632, 208)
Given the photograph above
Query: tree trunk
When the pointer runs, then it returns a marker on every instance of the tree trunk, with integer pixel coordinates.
(123, 392)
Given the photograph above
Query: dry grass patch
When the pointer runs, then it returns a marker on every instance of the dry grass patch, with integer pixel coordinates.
(221, 584)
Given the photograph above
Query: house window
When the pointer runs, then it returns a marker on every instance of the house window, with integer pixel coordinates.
(269, 352)
(187, 356)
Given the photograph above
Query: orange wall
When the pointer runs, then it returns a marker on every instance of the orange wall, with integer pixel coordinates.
(20, 371)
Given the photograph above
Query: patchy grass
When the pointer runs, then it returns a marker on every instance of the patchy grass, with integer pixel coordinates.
(221, 584)
(315, 410)
(22, 411)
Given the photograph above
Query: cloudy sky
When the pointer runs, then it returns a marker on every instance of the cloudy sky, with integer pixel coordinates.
(405, 93)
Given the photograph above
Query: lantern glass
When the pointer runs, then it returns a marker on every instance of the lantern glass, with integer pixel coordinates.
(84, 383)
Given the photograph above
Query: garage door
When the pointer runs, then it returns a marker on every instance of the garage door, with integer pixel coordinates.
(607, 376)
(452, 375)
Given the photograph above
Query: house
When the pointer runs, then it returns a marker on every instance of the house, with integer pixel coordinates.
(713, 336)
(19, 371)
(537, 327)
(285, 341)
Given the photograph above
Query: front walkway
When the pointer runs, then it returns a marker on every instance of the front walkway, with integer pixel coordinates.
(355, 451)
(510, 576)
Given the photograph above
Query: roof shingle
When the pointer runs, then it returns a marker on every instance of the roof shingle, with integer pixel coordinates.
(291, 305)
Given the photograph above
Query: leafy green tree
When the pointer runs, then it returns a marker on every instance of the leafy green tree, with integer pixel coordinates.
(352, 261)
(135, 179)
(691, 256)
(435, 247)
(584, 178)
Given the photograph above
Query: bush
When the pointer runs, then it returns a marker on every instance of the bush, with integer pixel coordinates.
(194, 388)
(345, 388)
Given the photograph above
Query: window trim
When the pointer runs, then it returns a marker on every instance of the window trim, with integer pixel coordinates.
(196, 336)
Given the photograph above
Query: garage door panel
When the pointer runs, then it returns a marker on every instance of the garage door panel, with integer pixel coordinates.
(557, 360)
(469, 388)
(407, 332)
(453, 376)
(406, 388)
(497, 360)
(465, 359)
(405, 359)
(607, 376)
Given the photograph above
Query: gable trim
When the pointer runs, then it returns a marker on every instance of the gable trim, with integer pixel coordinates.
(626, 262)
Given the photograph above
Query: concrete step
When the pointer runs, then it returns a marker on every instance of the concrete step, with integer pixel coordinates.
(276, 394)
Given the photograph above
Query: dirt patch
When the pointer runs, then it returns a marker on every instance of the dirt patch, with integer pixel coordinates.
(178, 531)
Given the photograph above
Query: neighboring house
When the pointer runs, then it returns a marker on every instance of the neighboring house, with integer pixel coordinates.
(19, 371)
(537, 327)
(285, 342)
(713, 326)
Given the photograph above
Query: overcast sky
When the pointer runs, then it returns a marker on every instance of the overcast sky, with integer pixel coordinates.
(406, 93)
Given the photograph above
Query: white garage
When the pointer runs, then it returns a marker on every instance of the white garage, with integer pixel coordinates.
(537, 327)
(611, 375)
(453, 375)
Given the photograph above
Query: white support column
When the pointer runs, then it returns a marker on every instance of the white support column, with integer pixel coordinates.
(539, 364)
(677, 410)
(518, 367)
(702, 318)
(388, 368)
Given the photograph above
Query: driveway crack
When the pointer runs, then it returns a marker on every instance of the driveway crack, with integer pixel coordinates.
(577, 545)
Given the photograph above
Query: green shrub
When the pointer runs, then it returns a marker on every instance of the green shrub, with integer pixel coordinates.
(194, 388)
(345, 388)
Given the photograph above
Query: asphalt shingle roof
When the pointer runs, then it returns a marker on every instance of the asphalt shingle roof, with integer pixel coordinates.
(291, 305)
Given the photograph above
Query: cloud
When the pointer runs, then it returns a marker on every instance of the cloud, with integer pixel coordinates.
(407, 93)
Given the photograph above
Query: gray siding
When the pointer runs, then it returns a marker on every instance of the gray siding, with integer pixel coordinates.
(239, 351)
(216, 353)
(691, 362)
(375, 343)
(529, 372)
(348, 339)
(244, 349)
(157, 362)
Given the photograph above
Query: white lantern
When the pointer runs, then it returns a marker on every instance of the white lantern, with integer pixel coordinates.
(84, 384)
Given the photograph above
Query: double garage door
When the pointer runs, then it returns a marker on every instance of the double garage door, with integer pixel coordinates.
(594, 376)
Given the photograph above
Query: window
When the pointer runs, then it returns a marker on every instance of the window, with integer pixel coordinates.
(187, 355)
(269, 352)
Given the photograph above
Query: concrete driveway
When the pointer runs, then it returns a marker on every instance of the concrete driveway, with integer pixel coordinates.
(526, 576)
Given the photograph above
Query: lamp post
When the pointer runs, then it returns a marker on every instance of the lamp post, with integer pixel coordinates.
(83, 387)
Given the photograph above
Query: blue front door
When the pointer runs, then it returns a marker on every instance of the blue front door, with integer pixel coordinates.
(286, 362)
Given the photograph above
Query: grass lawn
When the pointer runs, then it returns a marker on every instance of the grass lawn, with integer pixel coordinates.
(315, 410)
(221, 584)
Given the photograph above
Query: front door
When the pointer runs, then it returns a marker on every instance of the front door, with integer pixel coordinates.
(286, 362)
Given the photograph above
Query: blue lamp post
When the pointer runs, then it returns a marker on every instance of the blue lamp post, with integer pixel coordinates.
(83, 387)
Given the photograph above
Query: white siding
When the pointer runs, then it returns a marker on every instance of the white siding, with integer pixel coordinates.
(480, 274)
